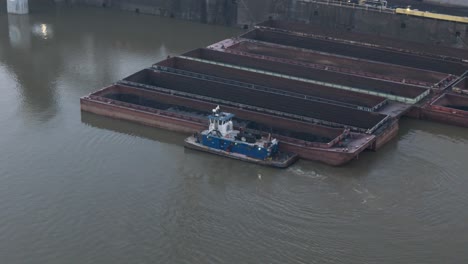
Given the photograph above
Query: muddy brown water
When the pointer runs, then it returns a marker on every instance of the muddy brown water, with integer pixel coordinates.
(79, 188)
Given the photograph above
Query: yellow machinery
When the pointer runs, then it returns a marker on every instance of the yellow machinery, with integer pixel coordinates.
(407, 11)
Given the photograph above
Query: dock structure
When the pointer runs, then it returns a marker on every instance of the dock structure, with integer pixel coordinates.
(18, 7)
(325, 97)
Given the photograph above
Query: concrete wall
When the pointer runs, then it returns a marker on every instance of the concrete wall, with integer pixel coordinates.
(462, 3)
(248, 12)
(206, 11)
(3, 6)
(385, 24)
(366, 21)
(19, 7)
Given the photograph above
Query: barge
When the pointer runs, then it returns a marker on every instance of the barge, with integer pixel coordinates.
(333, 62)
(325, 96)
(313, 92)
(345, 42)
(182, 114)
(447, 108)
(260, 100)
(302, 72)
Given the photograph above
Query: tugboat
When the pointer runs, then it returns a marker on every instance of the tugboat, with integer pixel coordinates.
(221, 139)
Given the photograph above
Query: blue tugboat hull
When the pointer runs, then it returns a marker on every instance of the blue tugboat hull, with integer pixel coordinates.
(249, 150)
(280, 160)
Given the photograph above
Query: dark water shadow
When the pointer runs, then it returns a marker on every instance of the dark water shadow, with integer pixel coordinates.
(132, 129)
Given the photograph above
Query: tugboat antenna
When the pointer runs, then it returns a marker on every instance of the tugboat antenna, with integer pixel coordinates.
(216, 110)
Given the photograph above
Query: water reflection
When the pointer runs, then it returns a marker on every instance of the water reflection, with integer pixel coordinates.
(197, 164)
(409, 127)
(132, 129)
(44, 31)
(19, 31)
(38, 49)
(33, 63)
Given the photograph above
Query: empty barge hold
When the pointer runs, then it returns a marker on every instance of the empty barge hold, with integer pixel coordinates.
(367, 52)
(258, 100)
(312, 142)
(402, 93)
(279, 85)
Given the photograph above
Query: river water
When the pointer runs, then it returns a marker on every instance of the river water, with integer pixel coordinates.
(79, 188)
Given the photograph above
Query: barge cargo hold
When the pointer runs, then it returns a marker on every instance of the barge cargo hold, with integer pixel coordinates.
(281, 85)
(330, 62)
(366, 40)
(259, 100)
(400, 92)
(302, 86)
(368, 52)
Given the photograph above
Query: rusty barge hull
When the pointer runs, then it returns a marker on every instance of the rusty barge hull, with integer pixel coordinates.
(447, 108)
(326, 152)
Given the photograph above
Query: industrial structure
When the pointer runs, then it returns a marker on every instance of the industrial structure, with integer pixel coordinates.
(19, 7)
(440, 25)
(326, 96)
